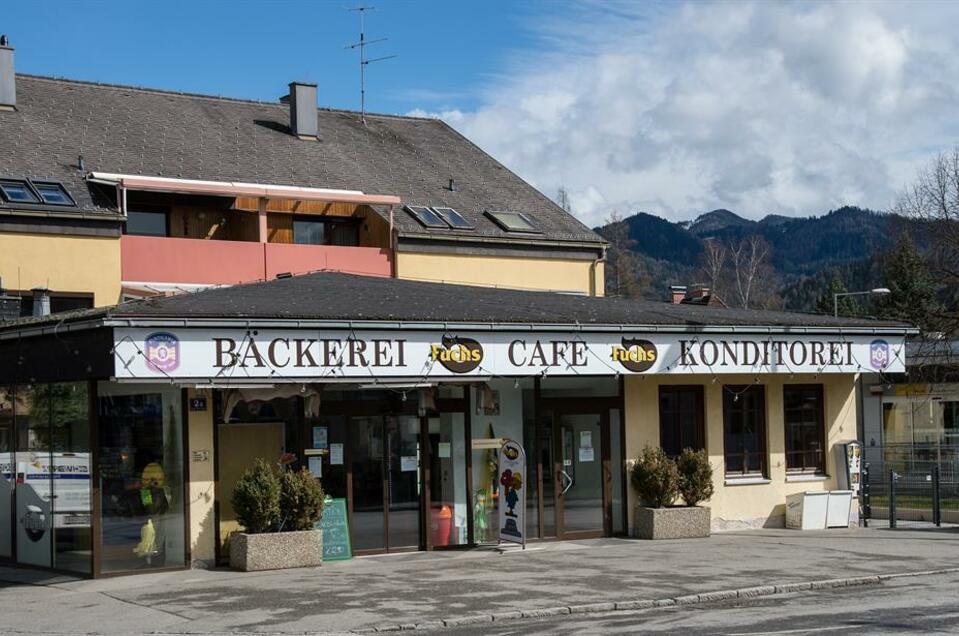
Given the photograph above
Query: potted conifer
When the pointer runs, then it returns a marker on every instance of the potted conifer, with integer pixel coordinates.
(278, 508)
(659, 481)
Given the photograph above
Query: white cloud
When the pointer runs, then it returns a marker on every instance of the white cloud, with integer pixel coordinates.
(788, 108)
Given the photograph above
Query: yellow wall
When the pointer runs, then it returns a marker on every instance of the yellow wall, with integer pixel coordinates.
(200, 445)
(62, 264)
(524, 273)
(741, 505)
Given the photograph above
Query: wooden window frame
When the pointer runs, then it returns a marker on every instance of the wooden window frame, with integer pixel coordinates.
(729, 392)
(700, 407)
(802, 469)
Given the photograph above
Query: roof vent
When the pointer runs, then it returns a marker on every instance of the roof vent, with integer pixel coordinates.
(41, 301)
(303, 110)
(8, 82)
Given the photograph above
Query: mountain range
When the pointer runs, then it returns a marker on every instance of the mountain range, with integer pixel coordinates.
(805, 252)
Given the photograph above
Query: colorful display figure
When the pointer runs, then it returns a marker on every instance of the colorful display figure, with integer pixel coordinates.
(155, 501)
(511, 482)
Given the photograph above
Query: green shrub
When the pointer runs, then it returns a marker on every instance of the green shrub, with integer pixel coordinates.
(695, 476)
(301, 500)
(655, 478)
(256, 498)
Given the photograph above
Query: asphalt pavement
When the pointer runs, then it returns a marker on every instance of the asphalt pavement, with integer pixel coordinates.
(923, 605)
(432, 590)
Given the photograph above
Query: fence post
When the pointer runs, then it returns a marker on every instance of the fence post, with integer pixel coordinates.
(864, 489)
(936, 501)
(892, 499)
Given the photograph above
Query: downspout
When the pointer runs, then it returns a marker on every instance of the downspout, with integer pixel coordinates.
(393, 244)
(592, 272)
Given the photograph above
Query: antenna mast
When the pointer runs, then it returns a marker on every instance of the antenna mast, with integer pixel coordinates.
(361, 45)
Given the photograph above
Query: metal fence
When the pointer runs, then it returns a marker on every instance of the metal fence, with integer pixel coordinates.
(910, 485)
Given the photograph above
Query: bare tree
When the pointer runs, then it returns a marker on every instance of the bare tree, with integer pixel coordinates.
(713, 264)
(933, 200)
(623, 276)
(751, 270)
(562, 199)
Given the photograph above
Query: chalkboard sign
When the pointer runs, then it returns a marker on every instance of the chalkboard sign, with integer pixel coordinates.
(336, 531)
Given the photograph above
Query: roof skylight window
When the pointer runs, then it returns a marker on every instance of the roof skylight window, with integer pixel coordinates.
(426, 216)
(454, 218)
(513, 221)
(53, 193)
(17, 191)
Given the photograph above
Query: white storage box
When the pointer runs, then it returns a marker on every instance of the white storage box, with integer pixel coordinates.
(807, 510)
(840, 504)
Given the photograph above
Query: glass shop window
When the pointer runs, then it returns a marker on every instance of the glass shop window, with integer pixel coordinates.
(141, 477)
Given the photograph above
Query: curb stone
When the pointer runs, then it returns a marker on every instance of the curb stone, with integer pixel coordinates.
(641, 604)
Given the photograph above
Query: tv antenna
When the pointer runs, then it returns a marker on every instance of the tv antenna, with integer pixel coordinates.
(361, 45)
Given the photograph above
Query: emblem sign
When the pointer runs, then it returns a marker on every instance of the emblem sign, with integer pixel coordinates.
(162, 351)
(879, 355)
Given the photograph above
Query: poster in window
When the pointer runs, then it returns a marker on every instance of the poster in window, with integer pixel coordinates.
(320, 436)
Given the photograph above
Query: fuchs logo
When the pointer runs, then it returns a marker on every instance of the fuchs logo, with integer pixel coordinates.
(635, 355)
(879, 354)
(162, 352)
(459, 355)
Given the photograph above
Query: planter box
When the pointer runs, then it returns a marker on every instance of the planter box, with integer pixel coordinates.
(671, 523)
(276, 550)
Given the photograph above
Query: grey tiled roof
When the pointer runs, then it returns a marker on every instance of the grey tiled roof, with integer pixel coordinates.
(338, 296)
(147, 132)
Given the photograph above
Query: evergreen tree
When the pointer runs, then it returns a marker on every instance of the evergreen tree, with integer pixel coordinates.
(846, 306)
(913, 290)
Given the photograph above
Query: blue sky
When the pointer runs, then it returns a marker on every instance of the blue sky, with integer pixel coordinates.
(446, 50)
(673, 108)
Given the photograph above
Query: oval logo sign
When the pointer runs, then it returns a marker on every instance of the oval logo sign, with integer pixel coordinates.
(458, 355)
(635, 355)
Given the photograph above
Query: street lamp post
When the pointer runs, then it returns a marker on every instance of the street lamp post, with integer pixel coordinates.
(835, 297)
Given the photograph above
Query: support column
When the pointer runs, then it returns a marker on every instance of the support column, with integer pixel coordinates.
(202, 480)
(261, 213)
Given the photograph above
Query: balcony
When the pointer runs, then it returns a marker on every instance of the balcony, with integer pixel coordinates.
(147, 260)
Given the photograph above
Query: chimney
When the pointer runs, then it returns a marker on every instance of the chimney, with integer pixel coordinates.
(303, 110)
(9, 305)
(699, 291)
(677, 293)
(8, 82)
(41, 301)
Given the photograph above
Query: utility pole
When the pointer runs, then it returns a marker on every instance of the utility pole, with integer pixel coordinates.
(361, 45)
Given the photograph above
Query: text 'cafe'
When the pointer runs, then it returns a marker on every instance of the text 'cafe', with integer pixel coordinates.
(401, 408)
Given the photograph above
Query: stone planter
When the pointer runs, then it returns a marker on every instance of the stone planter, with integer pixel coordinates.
(276, 550)
(671, 523)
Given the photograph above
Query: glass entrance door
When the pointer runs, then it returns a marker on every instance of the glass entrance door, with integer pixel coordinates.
(386, 482)
(581, 491)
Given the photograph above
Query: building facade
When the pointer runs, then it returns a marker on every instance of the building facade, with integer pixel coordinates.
(396, 394)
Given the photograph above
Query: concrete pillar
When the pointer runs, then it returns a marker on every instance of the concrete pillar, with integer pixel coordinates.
(202, 485)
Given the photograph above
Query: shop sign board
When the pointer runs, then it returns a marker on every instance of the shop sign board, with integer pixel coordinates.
(336, 531)
(512, 493)
(277, 354)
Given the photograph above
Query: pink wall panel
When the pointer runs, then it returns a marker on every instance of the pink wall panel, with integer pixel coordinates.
(148, 259)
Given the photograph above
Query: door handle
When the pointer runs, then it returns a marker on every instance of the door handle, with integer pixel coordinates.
(569, 481)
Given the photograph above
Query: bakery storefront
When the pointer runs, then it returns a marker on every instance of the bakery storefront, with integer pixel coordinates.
(123, 431)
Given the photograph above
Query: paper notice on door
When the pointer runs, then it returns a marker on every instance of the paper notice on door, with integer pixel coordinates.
(336, 454)
(408, 463)
(316, 466)
(585, 454)
(585, 439)
(444, 450)
(320, 434)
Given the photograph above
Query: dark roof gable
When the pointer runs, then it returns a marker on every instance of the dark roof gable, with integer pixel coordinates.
(121, 129)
